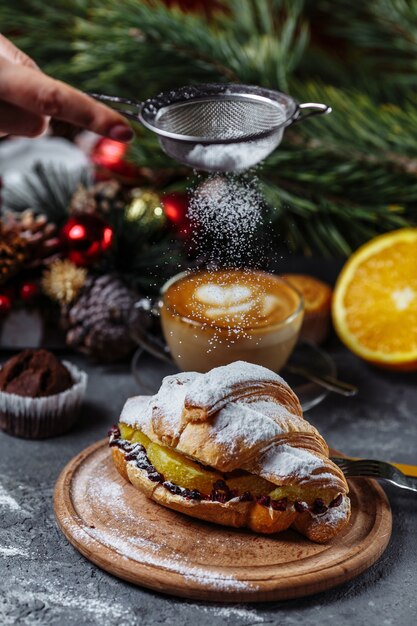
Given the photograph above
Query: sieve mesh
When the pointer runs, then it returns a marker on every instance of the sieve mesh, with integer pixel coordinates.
(217, 127)
(222, 119)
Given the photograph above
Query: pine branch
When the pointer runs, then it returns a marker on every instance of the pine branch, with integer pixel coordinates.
(44, 31)
(144, 251)
(378, 41)
(328, 228)
(47, 190)
(335, 181)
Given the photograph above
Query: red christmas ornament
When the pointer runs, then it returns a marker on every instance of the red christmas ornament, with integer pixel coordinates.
(175, 207)
(28, 291)
(109, 158)
(85, 238)
(5, 303)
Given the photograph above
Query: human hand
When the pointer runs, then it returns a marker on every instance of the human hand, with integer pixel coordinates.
(29, 98)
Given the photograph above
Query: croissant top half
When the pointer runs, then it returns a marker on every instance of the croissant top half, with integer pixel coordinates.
(239, 416)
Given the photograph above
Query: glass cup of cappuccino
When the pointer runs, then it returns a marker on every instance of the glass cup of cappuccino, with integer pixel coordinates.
(211, 318)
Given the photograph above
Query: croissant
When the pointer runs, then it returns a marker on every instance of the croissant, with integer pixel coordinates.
(232, 447)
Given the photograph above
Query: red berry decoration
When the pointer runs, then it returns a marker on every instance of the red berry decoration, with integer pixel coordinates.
(28, 291)
(85, 238)
(109, 158)
(175, 207)
(5, 304)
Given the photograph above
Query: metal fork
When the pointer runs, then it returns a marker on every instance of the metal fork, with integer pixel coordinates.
(367, 468)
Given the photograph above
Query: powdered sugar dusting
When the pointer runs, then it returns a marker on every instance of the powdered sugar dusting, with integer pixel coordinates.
(131, 548)
(169, 401)
(91, 608)
(234, 611)
(135, 410)
(227, 157)
(6, 500)
(284, 460)
(239, 424)
(103, 489)
(246, 426)
(220, 382)
(13, 551)
(336, 514)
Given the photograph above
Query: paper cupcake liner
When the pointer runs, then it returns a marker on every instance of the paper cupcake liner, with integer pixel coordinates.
(39, 418)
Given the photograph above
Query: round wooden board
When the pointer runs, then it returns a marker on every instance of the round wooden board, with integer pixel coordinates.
(116, 527)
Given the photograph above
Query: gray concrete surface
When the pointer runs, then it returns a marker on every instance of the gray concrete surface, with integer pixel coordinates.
(44, 580)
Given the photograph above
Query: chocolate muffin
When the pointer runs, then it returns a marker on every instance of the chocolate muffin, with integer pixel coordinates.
(34, 374)
(39, 395)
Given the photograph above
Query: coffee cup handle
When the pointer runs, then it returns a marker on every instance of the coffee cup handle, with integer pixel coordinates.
(144, 326)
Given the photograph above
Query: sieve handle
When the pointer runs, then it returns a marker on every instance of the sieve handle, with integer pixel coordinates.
(317, 109)
(118, 103)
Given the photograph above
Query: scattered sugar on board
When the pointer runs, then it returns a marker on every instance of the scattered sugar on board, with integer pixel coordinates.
(13, 551)
(6, 500)
(90, 607)
(146, 552)
(233, 611)
(141, 549)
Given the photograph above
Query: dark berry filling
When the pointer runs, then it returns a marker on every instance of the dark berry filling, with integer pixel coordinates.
(220, 493)
(246, 497)
(155, 477)
(337, 501)
(279, 505)
(264, 500)
(300, 507)
(319, 508)
(195, 495)
(114, 432)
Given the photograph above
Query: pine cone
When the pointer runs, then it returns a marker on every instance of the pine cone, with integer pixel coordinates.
(13, 254)
(100, 198)
(98, 321)
(38, 235)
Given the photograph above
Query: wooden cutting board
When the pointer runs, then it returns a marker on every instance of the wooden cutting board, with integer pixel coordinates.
(116, 527)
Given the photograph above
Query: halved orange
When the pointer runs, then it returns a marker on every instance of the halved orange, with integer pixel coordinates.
(374, 306)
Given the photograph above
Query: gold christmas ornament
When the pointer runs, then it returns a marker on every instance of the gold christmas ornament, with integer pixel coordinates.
(63, 280)
(144, 205)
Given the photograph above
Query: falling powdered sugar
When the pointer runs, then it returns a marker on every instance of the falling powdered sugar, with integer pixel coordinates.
(226, 213)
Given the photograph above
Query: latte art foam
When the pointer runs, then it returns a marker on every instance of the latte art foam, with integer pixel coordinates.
(232, 299)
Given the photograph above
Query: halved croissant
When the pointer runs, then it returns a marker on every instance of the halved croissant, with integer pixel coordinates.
(218, 433)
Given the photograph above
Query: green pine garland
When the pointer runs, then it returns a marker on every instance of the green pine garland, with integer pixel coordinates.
(144, 251)
(335, 181)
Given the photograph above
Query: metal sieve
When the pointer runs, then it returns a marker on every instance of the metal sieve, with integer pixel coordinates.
(217, 127)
